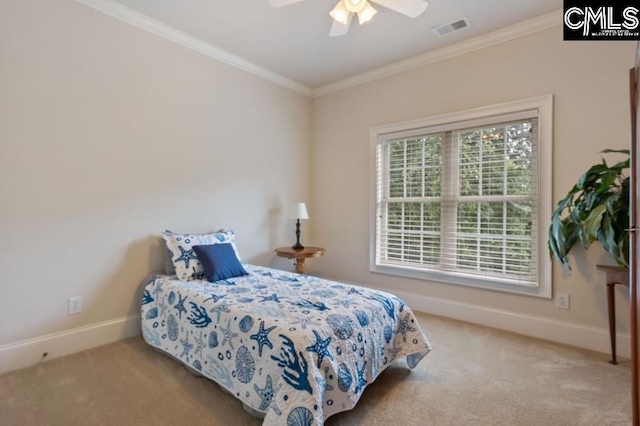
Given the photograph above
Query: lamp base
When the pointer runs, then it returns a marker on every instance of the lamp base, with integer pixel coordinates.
(297, 245)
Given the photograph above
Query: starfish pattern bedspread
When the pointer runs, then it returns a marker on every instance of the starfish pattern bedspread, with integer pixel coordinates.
(295, 347)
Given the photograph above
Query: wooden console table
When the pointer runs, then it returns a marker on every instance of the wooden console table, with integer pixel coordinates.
(300, 255)
(616, 275)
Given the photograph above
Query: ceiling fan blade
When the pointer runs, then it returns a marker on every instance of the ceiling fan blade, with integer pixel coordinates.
(281, 3)
(411, 8)
(338, 29)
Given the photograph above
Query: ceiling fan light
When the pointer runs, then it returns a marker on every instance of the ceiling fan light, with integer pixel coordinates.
(366, 13)
(355, 5)
(340, 13)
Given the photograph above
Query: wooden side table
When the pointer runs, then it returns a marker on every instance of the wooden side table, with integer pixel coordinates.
(616, 275)
(300, 255)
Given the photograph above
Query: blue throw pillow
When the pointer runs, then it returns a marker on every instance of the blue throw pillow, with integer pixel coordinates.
(184, 262)
(219, 262)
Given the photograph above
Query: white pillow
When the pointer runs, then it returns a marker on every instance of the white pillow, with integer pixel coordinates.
(184, 262)
(169, 269)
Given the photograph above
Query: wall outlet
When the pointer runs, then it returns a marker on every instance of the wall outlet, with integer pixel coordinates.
(562, 301)
(75, 305)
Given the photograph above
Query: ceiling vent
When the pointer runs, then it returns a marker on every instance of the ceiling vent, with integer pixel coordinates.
(452, 26)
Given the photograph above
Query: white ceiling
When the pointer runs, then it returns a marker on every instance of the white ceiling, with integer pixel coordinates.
(293, 41)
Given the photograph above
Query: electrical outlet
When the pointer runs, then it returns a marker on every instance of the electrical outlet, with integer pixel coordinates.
(75, 305)
(562, 301)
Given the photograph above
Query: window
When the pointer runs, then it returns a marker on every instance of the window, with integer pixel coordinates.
(464, 198)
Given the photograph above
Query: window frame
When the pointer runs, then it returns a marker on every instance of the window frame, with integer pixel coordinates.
(544, 107)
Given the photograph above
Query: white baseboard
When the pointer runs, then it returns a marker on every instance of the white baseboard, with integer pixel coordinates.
(581, 336)
(29, 352)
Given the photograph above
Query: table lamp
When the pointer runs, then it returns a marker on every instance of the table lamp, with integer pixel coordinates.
(299, 212)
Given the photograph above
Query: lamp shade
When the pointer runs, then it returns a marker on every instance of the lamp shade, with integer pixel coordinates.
(366, 13)
(299, 211)
(355, 5)
(340, 13)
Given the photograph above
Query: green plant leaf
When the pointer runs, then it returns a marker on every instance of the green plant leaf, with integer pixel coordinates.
(607, 238)
(593, 222)
(583, 237)
(608, 179)
(595, 209)
(619, 151)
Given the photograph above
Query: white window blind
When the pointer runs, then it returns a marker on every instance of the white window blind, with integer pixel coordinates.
(460, 201)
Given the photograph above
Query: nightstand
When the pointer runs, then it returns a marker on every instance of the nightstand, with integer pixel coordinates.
(300, 255)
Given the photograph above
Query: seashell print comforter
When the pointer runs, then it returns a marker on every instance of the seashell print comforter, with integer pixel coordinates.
(295, 348)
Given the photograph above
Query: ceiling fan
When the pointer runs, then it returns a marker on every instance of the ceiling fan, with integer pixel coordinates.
(345, 9)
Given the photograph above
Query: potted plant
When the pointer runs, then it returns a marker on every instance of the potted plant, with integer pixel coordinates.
(595, 209)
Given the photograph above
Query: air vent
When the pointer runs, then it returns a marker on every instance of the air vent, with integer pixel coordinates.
(452, 26)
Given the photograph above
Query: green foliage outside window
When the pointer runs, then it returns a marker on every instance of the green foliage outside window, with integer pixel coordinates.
(492, 236)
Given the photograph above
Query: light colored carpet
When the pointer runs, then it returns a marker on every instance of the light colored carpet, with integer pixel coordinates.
(473, 376)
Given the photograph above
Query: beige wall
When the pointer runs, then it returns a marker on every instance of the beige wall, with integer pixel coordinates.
(590, 87)
(108, 136)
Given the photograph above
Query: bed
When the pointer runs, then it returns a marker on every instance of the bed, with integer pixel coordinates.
(293, 348)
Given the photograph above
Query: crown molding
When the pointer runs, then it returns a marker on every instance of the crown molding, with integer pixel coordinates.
(502, 35)
(142, 21)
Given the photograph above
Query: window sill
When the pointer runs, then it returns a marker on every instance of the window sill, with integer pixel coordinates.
(489, 283)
